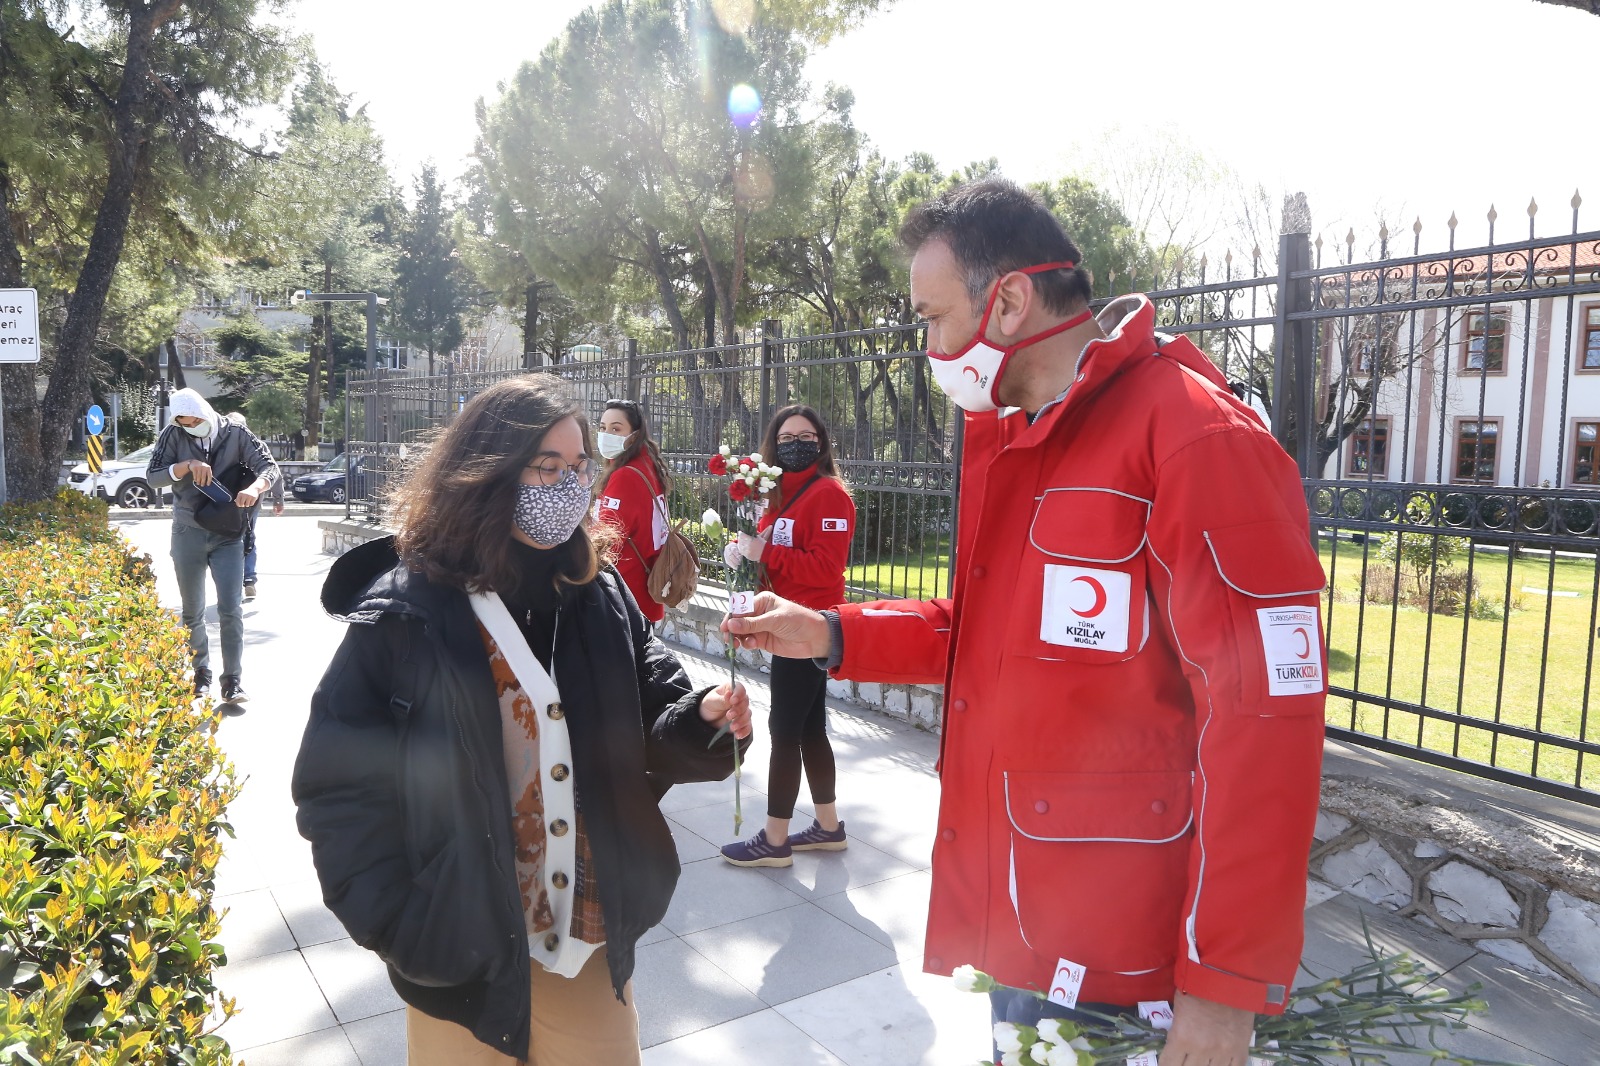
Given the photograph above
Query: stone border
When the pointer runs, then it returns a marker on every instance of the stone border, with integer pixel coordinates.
(1503, 870)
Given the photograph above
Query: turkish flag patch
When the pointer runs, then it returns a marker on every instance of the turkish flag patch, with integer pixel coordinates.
(835, 525)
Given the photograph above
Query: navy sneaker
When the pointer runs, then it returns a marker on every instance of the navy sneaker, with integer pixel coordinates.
(758, 851)
(818, 839)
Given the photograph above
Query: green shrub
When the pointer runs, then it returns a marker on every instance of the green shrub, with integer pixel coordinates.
(113, 794)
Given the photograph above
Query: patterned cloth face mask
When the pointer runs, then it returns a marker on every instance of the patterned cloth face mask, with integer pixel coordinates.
(548, 514)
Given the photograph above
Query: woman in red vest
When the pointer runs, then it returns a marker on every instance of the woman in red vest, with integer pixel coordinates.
(632, 497)
(803, 543)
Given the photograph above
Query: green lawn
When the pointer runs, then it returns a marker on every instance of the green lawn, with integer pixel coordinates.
(924, 576)
(1376, 649)
(1510, 672)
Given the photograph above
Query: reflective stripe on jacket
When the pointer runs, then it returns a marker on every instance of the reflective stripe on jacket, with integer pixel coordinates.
(1134, 692)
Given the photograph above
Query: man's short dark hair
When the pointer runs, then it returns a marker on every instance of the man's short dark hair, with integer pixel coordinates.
(995, 226)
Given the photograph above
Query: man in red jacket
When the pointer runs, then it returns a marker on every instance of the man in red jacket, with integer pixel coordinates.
(1132, 655)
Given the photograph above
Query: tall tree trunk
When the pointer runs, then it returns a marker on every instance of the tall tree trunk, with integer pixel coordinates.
(530, 325)
(175, 366)
(68, 391)
(19, 389)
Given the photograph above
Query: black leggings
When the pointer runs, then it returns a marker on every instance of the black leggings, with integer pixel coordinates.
(798, 726)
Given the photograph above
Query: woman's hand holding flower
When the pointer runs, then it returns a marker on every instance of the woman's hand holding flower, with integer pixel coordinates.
(728, 706)
(751, 547)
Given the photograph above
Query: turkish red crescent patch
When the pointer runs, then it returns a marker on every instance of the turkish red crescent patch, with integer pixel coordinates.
(1291, 640)
(1084, 607)
(610, 503)
(835, 525)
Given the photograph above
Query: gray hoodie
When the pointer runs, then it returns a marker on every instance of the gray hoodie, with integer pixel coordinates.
(230, 443)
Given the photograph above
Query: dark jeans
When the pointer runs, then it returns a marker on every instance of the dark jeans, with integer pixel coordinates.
(250, 547)
(1024, 1008)
(195, 552)
(798, 727)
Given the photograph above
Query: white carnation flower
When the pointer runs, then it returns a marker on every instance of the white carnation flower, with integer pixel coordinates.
(711, 518)
(966, 978)
(755, 457)
(725, 451)
(1007, 1037)
(1050, 1031)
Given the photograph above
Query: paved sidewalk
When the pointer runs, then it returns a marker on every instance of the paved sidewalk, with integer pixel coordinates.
(815, 965)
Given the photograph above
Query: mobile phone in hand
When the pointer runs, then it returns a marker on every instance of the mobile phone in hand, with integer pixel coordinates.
(216, 492)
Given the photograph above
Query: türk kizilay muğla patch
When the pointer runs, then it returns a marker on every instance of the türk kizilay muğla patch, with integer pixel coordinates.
(1085, 608)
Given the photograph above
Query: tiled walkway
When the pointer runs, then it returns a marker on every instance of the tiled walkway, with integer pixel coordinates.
(811, 965)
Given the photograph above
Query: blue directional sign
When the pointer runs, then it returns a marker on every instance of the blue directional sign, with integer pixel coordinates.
(95, 420)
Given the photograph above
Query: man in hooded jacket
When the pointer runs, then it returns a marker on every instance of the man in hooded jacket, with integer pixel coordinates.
(201, 447)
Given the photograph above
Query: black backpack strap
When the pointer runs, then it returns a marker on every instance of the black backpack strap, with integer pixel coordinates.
(790, 502)
(406, 669)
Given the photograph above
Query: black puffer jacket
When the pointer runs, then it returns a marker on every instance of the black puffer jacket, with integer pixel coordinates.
(401, 784)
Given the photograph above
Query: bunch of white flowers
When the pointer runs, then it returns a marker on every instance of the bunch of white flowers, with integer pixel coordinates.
(1055, 1042)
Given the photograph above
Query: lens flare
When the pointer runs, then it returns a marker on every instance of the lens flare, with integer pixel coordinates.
(744, 106)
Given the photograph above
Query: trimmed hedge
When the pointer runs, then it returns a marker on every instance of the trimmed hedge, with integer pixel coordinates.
(112, 797)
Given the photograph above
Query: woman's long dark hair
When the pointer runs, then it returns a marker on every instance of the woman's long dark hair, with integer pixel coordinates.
(769, 448)
(455, 508)
(639, 440)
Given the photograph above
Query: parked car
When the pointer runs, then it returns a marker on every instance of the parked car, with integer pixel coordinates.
(120, 480)
(329, 483)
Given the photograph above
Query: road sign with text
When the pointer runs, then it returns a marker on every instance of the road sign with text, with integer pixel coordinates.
(19, 326)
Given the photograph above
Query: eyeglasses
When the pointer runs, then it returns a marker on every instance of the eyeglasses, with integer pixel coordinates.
(790, 438)
(552, 470)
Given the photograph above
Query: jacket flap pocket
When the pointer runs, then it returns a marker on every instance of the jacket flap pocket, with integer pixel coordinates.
(1089, 525)
(1267, 560)
(1134, 808)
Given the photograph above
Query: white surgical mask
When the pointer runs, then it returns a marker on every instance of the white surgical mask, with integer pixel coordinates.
(201, 429)
(971, 375)
(610, 445)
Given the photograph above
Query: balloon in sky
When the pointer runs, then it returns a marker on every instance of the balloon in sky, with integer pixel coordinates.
(744, 105)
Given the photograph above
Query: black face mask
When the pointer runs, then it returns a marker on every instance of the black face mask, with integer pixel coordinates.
(796, 455)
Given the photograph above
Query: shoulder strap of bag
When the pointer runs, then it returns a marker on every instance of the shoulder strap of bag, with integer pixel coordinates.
(405, 677)
(790, 502)
(655, 500)
(555, 748)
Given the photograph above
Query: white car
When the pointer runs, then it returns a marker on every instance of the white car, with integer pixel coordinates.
(121, 481)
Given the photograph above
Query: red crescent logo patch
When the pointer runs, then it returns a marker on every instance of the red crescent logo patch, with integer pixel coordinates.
(1305, 643)
(970, 371)
(1099, 592)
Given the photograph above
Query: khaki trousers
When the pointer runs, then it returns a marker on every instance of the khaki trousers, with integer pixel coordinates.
(576, 1022)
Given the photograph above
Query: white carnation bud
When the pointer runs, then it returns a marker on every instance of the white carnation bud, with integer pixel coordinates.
(1007, 1037)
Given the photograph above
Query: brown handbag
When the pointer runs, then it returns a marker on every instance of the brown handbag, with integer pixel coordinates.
(675, 575)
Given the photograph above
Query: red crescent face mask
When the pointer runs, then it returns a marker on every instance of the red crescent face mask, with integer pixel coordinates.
(971, 375)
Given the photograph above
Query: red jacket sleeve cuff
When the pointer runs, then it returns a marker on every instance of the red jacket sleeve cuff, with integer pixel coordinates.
(1231, 990)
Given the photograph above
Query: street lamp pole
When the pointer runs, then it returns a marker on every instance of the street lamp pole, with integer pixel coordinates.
(373, 302)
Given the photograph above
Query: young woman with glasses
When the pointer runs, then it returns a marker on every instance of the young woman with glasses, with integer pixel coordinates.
(803, 544)
(476, 777)
(632, 497)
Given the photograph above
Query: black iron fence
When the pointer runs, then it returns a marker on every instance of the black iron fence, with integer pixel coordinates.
(1444, 408)
(893, 432)
(1441, 407)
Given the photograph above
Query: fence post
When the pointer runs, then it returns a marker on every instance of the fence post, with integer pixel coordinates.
(449, 392)
(631, 385)
(1293, 359)
(349, 482)
(770, 332)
